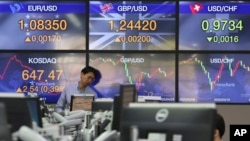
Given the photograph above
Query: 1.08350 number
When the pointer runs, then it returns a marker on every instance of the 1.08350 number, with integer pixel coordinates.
(42, 24)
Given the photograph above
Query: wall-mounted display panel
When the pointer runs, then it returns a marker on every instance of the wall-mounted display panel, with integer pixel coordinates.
(153, 74)
(42, 74)
(220, 78)
(214, 25)
(132, 25)
(42, 25)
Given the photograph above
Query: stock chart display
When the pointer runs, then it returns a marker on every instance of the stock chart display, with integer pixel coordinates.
(42, 25)
(221, 78)
(42, 74)
(141, 43)
(153, 74)
(214, 25)
(132, 25)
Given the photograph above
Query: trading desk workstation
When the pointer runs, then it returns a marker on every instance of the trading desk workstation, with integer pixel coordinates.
(130, 118)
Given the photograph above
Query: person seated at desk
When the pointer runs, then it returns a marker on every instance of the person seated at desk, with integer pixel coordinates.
(88, 76)
(220, 128)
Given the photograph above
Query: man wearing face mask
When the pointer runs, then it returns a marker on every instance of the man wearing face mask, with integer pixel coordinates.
(87, 77)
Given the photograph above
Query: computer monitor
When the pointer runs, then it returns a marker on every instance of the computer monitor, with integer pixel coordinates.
(116, 113)
(100, 106)
(149, 99)
(18, 113)
(35, 110)
(170, 121)
(4, 127)
(81, 102)
(127, 95)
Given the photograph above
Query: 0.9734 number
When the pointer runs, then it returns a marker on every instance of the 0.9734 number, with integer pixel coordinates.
(221, 25)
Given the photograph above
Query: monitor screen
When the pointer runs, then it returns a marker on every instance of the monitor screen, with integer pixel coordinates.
(170, 121)
(132, 25)
(44, 74)
(128, 94)
(18, 113)
(101, 106)
(80, 102)
(214, 25)
(35, 110)
(152, 73)
(214, 77)
(116, 113)
(43, 25)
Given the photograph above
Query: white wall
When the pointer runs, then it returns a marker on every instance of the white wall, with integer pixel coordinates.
(234, 114)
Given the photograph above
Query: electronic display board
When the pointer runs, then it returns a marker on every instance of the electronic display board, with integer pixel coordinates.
(214, 25)
(153, 74)
(42, 74)
(132, 25)
(220, 78)
(42, 25)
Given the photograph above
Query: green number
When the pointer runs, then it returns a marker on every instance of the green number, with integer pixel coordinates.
(216, 25)
(236, 39)
(224, 24)
(239, 25)
(204, 25)
(235, 25)
(231, 25)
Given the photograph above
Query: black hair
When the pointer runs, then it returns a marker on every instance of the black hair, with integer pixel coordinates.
(96, 72)
(88, 69)
(220, 124)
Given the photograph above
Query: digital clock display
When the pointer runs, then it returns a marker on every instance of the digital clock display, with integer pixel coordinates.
(132, 25)
(43, 25)
(220, 25)
(43, 74)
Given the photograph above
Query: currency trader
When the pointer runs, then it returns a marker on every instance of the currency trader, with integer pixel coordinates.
(88, 76)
